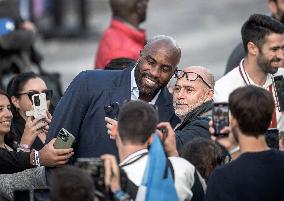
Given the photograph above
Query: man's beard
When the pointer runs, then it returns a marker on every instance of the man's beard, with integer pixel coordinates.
(265, 64)
(181, 113)
(144, 90)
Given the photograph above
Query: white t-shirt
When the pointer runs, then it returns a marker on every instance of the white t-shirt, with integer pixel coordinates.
(239, 78)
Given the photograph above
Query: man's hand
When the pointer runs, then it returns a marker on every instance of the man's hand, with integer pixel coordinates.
(228, 142)
(169, 140)
(112, 176)
(51, 157)
(112, 128)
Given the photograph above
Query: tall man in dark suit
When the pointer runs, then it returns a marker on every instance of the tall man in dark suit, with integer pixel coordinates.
(81, 109)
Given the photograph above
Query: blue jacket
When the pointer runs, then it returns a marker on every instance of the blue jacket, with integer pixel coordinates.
(81, 110)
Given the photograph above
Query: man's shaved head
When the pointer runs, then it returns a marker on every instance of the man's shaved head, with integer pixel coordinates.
(203, 72)
(165, 43)
(156, 65)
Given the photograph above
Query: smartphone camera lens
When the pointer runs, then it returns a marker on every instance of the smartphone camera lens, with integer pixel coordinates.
(36, 101)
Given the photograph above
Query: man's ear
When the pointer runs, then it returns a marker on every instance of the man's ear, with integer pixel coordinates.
(233, 121)
(15, 102)
(210, 94)
(252, 49)
(272, 7)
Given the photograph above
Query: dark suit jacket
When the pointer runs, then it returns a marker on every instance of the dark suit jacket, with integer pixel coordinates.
(81, 109)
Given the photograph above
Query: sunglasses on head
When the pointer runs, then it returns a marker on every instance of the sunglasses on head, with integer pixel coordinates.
(191, 76)
(48, 94)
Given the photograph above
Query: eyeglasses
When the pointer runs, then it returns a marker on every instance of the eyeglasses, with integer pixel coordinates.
(48, 94)
(191, 76)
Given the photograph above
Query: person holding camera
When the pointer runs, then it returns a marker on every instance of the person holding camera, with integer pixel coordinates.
(71, 183)
(257, 174)
(137, 121)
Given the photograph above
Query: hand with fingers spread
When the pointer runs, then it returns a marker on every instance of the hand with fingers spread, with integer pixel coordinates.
(112, 128)
(51, 157)
(170, 140)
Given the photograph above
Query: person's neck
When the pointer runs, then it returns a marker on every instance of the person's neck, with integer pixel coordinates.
(254, 71)
(252, 144)
(146, 98)
(128, 149)
(23, 115)
(2, 143)
(130, 21)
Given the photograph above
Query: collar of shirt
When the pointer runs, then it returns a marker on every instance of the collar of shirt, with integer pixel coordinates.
(133, 156)
(247, 78)
(135, 91)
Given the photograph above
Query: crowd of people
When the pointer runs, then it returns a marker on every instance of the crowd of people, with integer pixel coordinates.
(243, 160)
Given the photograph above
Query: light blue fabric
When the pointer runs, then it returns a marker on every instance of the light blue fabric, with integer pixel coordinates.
(158, 187)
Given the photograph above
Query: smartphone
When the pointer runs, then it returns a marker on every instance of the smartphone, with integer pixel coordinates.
(112, 110)
(220, 117)
(39, 105)
(64, 139)
(278, 82)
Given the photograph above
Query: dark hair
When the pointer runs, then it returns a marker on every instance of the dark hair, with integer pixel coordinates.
(253, 108)
(70, 183)
(137, 120)
(257, 27)
(204, 154)
(119, 63)
(17, 83)
(2, 92)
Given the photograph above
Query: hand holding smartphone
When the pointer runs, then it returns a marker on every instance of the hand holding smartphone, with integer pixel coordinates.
(64, 139)
(278, 83)
(220, 117)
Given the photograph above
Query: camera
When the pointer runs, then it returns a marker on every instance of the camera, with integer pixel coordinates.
(278, 82)
(112, 110)
(95, 166)
(39, 105)
(64, 139)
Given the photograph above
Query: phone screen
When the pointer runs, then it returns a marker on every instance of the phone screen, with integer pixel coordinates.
(279, 91)
(220, 117)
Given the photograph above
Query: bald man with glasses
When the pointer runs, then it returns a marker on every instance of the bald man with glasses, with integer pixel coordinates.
(193, 103)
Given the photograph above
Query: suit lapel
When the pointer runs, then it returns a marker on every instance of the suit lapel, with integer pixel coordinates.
(165, 105)
(121, 87)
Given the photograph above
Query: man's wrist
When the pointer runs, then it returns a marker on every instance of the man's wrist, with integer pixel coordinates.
(173, 153)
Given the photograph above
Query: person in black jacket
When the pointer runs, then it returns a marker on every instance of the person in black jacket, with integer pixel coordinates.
(192, 99)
